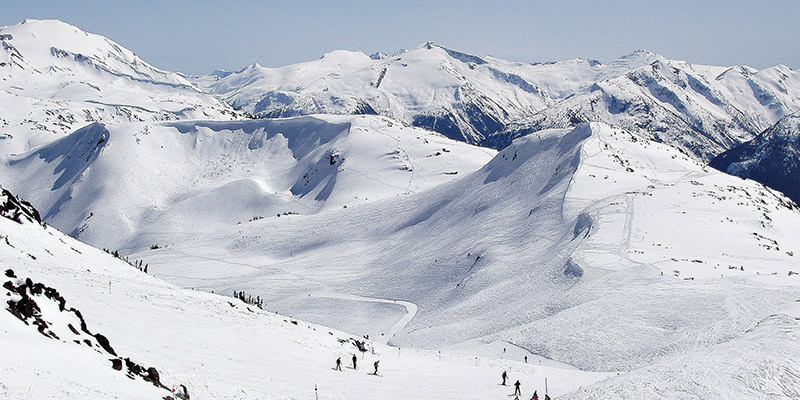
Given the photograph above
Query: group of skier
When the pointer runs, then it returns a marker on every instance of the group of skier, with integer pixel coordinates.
(504, 376)
(518, 392)
(355, 364)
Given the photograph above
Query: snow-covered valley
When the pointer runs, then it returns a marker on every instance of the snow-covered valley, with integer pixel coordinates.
(593, 247)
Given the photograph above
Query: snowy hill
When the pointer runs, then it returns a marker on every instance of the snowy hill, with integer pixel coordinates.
(57, 78)
(216, 347)
(703, 110)
(107, 182)
(772, 158)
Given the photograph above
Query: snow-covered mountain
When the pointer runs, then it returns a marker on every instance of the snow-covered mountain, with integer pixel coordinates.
(107, 182)
(772, 158)
(459, 95)
(56, 78)
(606, 252)
(703, 110)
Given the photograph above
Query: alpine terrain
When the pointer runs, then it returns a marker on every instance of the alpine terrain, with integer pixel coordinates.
(391, 227)
(772, 158)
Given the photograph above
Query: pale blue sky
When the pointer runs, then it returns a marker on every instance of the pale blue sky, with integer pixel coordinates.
(200, 36)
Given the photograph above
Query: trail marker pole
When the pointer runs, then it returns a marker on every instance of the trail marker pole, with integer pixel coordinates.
(316, 395)
(545, 386)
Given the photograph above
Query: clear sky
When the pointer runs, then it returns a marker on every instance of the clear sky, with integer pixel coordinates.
(201, 36)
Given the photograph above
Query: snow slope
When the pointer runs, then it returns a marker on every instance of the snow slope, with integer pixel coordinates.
(588, 246)
(55, 78)
(762, 366)
(218, 347)
(772, 158)
(107, 182)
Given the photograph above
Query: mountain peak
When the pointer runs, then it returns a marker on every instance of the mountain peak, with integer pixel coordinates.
(344, 57)
(640, 54)
(458, 55)
(46, 27)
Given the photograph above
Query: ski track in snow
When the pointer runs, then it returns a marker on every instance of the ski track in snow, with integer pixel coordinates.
(411, 309)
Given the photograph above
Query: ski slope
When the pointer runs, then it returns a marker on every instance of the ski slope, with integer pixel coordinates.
(218, 347)
(586, 246)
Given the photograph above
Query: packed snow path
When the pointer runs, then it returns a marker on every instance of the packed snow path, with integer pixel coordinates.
(411, 311)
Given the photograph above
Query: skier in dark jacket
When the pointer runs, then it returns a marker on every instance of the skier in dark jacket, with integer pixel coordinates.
(339, 363)
(376, 367)
(535, 396)
(354, 361)
(504, 376)
(516, 388)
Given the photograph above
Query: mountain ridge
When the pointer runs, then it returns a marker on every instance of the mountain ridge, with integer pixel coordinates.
(772, 158)
(480, 100)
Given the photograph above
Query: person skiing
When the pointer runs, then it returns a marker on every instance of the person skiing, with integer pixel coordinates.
(526, 359)
(546, 397)
(516, 388)
(535, 396)
(354, 361)
(504, 376)
(339, 363)
(376, 367)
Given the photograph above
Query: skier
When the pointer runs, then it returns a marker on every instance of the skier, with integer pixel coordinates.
(504, 376)
(535, 396)
(526, 359)
(354, 361)
(516, 388)
(339, 363)
(376, 367)
(546, 397)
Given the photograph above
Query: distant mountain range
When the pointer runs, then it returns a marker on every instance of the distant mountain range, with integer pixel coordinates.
(700, 109)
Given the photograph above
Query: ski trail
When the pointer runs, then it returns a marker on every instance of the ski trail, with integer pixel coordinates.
(411, 310)
(627, 230)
